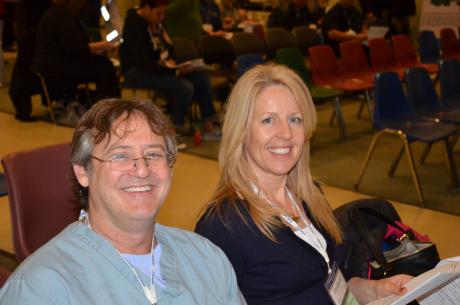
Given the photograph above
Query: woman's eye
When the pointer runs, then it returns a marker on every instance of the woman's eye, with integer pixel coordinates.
(267, 121)
(296, 120)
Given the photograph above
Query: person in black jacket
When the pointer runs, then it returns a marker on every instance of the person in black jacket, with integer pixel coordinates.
(146, 60)
(64, 53)
(292, 13)
(23, 84)
(343, 22)
(267, 214)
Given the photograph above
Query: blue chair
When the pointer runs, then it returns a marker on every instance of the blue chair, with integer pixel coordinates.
(423, 97)
(246, 61)
(429, 48)
(394, 115)
(450, 83)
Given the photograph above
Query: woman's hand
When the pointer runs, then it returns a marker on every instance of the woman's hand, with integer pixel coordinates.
(391, 285)
(366, 291)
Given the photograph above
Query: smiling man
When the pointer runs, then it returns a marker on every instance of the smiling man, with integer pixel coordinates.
(122, 154)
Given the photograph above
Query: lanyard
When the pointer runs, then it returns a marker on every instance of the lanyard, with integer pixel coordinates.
(149, 291)
(312, 237)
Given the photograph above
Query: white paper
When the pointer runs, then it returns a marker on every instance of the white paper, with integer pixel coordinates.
(376, 32)
(429, 284)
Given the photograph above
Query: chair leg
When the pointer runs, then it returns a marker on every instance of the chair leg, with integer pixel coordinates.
(48, 98)
(340, 120)
(370, 107)
(368, 157)
(451, 163)
(395, 163)
(360, 109)
(413, 170)
(332, 119)
(425, 153)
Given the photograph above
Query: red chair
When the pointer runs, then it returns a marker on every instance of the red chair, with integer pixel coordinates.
(4, 275)
(382, 57)
(326, 71)
(354, 62)
(450, 47)
(406, 56)
(40, 196)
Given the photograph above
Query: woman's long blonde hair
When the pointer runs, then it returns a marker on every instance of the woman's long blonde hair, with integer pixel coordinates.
(235, 180)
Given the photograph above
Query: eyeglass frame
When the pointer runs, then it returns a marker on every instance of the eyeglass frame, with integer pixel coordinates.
(170, 159)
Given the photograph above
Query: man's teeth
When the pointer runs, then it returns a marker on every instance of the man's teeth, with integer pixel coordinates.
(280, 151)
(138, 189)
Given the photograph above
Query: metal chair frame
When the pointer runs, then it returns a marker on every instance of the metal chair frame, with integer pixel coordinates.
(409, 116)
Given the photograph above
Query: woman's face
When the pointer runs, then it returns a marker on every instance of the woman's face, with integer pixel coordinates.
(276, 134)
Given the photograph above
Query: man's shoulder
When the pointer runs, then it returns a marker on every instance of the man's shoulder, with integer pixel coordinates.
(178, 236)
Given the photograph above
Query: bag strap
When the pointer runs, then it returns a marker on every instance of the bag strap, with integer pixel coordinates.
(382, 217)
(376, 252)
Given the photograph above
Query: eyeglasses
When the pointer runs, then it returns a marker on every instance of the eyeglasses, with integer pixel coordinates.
(125, 162)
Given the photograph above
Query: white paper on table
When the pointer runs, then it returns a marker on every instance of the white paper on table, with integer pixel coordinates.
(427, 284)
(377, 32)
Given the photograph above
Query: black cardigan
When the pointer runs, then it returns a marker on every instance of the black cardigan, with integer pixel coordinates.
(136, 50)
(289, 272)
(62, 43)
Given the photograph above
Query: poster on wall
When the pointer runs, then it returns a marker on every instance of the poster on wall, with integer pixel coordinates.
(438, 14)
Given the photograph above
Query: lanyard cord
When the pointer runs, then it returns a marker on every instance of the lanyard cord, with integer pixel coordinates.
(149, 291)
(315, 241)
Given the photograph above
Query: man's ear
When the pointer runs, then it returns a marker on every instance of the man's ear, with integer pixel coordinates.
(81, 174)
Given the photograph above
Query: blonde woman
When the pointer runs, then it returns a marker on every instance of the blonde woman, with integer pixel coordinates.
(267, 214)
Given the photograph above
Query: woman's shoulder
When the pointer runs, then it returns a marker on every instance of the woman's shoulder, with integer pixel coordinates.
(228, 216)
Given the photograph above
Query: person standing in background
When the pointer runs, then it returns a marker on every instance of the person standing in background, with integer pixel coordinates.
(23, 84)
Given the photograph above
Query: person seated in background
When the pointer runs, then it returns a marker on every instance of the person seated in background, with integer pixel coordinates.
(292, 13)
(146, 60)
(122, 154)
(267, 214)
(343, 22)
(64, 53)
(210, 15)
(233, 14)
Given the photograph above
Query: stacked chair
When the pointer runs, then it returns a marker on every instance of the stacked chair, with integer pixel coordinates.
(327, 72)
(278, 38)
(394, 115)
(406, 57)
(383, 58)
(293, 58)
(429, 50)
(450, 46)
(450, 83)
(355, 65)
(422, 95)
(306, 38)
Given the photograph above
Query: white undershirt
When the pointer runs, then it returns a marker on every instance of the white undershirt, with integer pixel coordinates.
(143, 263)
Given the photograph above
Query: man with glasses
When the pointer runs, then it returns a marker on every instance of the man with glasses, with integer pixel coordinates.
(122, 154)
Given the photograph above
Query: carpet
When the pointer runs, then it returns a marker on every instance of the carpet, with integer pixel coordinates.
(337, 162)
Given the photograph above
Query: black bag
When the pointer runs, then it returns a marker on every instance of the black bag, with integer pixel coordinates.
(364, 223)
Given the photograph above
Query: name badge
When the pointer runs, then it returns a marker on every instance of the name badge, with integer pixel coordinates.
(338, 289)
